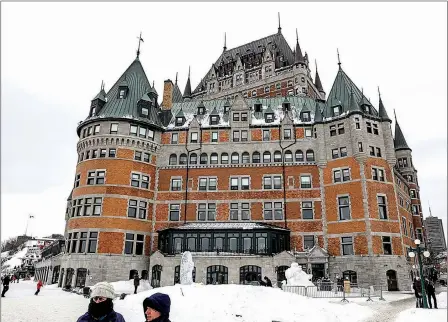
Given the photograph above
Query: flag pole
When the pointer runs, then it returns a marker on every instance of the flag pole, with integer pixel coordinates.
(27, 222)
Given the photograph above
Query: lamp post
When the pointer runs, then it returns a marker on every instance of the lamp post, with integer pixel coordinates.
(419, 250)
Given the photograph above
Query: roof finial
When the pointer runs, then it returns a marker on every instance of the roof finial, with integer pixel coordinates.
(379, 93)
(152, 84)
(430, 213)
(339, 59)
(395, 116)
(279, 27)
(225, 46)
(297, 37)
(176, 79)
(140, 40)
(102, 85)
(188, 71)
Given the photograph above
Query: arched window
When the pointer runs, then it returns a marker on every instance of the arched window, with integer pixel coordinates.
(203, 159)
(183, 159)
(281, 275)
(249, 273)
(144, 274)
(235, 158)
(156, 275)
(351, 276)
(245, 157)
(299, 156)
(214, 158)
(277, 156)
(266, 157)
(177, 274)
(256, 157)
(193, 158)
(69, 277)
(225, 158)
(81, 274)
(132, 273)
(173, 159)
(288, 156)
(217, 274)
(309, 155)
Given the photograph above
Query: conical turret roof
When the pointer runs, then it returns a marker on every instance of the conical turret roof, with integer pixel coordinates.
(382, 111)
(399, 140)
(187, 91)
(298, 57)
(317, 82)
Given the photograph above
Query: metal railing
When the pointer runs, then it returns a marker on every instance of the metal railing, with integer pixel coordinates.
(334, 290)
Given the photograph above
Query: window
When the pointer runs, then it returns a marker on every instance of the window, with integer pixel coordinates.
(122, 93)
(203, 158)
(287, 134)
(308, 242)
(139, 180)
(103, 153)
(332, 130)
(273, 211)
(308, 132)
(347, 245)
(341, 175)
(235, 158)
(377, 174)
(344, 208)
(418, 234)
(334, 153)
(245, 157)
(176, 184)
(372, 151)
(114, 128)
(174, 138)
(357, 125)
(173, 159)
(206, 212)
(138, 156)
(305, 181)
(343, 152)
(288, 156)
(134, 244)
(239, 183)
(240, 211)
(96, 129)
(277, 156)
(387, 245)
(310, 155)
(82, 242)
(183, 159)
(272, 182)
(179, 121)
(137, 207)
(145, 111)
(236, 136)
(174, 212)
(236, 117)
(214, 158)
(243, 116)
(243, 135)
(299, 156)
(382, 207)
(193, 158)
(378, 152)
(146, 157)
(194, 137)
(224, 158)
(375, 128)
(77, 179)
(94, 154)
(96, 177)
(133, 130)
(369, 127)
(306, 117)
(207, 184)
(256, 157)
(93, 240)
(266, 135)
(413, 194)
(266, 157)
(307, 210)
(341, 128)
(214, 136)
(360, 149)
(214, 120)
(414, 210)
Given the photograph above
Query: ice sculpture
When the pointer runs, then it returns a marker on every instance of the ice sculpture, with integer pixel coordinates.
(297, 277)
(186, 269)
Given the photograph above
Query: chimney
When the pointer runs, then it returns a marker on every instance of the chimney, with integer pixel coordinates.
(168, 87)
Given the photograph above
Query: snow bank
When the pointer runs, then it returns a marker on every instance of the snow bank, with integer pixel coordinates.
(425, 314)
(241, 303)
(16, 259)
(128, 286)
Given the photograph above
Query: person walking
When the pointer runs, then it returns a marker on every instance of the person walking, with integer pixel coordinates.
(157, 307)
(417, 286)
(268, 281)
(13, 279)
(39, 285)
(6, 281)
(136, 282)
(101, 306)
(431, 293)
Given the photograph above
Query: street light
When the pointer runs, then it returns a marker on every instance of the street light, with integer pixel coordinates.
(412, 254)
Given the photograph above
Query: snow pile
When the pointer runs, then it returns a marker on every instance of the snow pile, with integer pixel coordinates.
(5, 254)
(128, 286)
(243, 303)
(297, 277)
(16, 259)
(425, 314)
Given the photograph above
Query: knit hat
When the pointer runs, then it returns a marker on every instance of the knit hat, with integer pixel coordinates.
(103, 289)
(159, 302)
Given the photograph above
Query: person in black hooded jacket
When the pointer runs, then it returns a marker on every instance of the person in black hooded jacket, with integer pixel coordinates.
(157, 307)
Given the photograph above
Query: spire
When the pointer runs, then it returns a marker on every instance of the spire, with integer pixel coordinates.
(187, 91)
(140, 40)
(353, 105)
(381, 110)
(225, 41)
(279, 27)
(399, 140)
(298, 57)
(317, 114)
(364, 100)
(430, 213)
(317, 81)
(339, 59)
(176, 79)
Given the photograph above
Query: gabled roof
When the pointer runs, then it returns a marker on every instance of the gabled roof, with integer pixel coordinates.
(399, 140)
(138, 84)
(340, 94)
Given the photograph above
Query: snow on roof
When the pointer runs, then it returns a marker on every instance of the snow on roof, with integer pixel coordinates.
(5, 254)
(16, 259)
(227, 225)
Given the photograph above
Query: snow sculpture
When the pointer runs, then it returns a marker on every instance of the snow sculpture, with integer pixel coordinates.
(186, 269)
(297, 277)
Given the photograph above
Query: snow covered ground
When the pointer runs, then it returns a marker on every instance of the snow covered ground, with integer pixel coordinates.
(16, 259)
(423, 314)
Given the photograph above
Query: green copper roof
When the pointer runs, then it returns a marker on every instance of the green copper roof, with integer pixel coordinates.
(399, 140)
(382, 111)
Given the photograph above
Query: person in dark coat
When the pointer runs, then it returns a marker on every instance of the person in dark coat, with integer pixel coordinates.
(261, 281)
(430, 293)
(417, 286)
(268, 281)
(6, 281)
(157, 307)
(136, 283)
(101, 306)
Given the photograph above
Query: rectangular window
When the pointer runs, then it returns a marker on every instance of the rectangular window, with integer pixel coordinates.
(372, 151)
(413, 194)
(134, 244)
(239, 183)
(77, 179)
(174, 212)
(176, 184)
(344, 208)
(93, 241)
(375, 128)
(369, 127)
(96, 177)
(347, 245)
(382, 207)
(341, 128)
(357, 123)
(337, 176)
(272, 182)
(206, 211)
(96, 129)
(94, 154)
(305, 182)
(146, 157)
(97, 206)
(243, 116)
(214, 120)
(112, 153)
(266, 135)
(308, 242)
(142, 132)
(360, 149)
(236, 136)
(287, 134)
(82, 242)
(240, 211)
(273, 211)
(114, 128)
(403, 226)
(174, 138)
(133, 130)
(335, 153)
(236, 117)
(214, 136)
(387, 245)
(137, 155)
(89, 132)
(103, 153)
(343, 151)
(139, 180)
(137, 208)
(243, 136)
(307, 210)
(332, 130)
(308, 132)
(207, 184)
(194, 137)
(378, 152)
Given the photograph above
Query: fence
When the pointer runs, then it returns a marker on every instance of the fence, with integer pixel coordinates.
(337, 291)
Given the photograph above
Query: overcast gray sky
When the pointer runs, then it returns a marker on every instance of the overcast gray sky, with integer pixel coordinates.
(54, 56)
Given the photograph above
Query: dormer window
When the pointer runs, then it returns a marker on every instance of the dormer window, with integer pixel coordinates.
(269, 118)
(201, 110)
(214, 120)
(179, 121)
(226, 109)
(286, 106)
(122, 92)
(367, 109)
(306, 117)
(336, 110)
(257, 108)
(145, 111)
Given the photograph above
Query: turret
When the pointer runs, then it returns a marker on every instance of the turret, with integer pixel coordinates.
(187, 91)
(318, 84)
